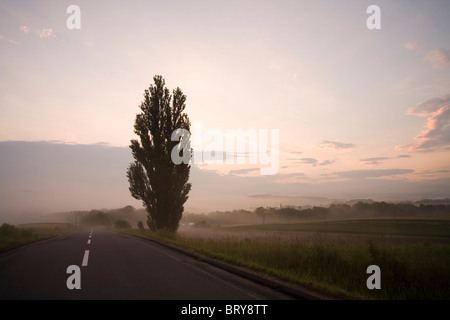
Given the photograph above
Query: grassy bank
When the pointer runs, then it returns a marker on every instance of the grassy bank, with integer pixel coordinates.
(408, 271)
(11, 236)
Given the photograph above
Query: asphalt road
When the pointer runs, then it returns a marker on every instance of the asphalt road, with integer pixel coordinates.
(118, 266)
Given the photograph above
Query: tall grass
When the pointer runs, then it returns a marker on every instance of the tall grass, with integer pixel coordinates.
(11, 235)
(408, 271)
(410, 227)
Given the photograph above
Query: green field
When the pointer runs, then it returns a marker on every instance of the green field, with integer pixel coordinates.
(412, 227)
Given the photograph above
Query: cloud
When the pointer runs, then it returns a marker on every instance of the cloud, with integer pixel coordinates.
(3, 38)
(439, 58)
(374, 161)
(430, 106)
(362, 174)
(311, 161)
(243, 171)
(326, 162)
(51, 177)
(432, 172)
(436, 133)
(409, 45)
(337, 146)
(378, 160)
(25, 29)
(46, 33)
(43, 33)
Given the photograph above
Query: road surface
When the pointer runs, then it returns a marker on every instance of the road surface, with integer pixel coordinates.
(118, 266)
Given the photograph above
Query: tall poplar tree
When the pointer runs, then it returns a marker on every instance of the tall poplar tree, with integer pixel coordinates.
(154, 178)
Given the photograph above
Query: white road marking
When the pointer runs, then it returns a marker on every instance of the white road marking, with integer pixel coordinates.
(89, 241)
(85, 258)
(90, 234)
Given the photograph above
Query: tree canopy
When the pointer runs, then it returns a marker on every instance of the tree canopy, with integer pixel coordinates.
(154, 178)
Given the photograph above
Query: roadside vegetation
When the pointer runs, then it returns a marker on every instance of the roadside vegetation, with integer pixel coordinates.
(407, 227)
(11, 236)
(331, 258)
(328, 249)
(122, 224)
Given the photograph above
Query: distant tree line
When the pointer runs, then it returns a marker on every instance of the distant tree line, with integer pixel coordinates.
(129, 217)
(123, 218)
(334, 211)
(96, 218)
(361, 210)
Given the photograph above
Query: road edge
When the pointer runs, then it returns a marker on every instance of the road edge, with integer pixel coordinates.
(295, 290)
(29, 243)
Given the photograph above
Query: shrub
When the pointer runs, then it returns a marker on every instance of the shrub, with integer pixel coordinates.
(122, 224)
(8, 230)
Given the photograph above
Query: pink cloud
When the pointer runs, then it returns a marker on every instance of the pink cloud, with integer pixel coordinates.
(337, 146)
(439, 58)
(410, 45)
(436, 133)
(3, 38)
(46, 33)
(25, 29)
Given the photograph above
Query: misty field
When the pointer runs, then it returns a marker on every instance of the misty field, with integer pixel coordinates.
(333, 256)
(405, 227)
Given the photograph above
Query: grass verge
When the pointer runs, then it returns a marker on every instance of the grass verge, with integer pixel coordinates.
(12, 236)
(408, 271)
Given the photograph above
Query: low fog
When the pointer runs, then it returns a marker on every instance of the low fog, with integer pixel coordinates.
(38, 178)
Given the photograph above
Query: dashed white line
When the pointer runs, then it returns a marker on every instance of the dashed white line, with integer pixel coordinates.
(89, 241)
(85, 258)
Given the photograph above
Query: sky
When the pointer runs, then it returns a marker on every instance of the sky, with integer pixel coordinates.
(356, 109)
